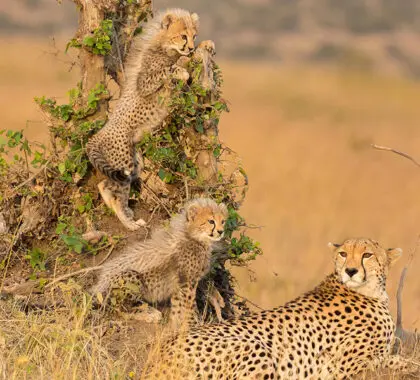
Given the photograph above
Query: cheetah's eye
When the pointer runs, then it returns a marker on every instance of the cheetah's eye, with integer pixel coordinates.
(223, 222)
(342, 254)
(211, 221)
(366, 255)
(184, 37)
(194, 36)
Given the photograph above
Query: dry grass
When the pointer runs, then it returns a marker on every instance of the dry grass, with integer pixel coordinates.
(304, 135)
(72, 341)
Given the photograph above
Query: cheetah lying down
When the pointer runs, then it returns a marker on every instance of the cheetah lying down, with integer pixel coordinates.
(336, 330)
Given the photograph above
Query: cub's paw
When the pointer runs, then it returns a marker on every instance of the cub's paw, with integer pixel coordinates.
(217, 301)
(180, 73)
(134, 225)
(183, 62)
(208, 45)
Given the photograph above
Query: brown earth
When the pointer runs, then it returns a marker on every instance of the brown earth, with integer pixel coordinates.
(304, 135)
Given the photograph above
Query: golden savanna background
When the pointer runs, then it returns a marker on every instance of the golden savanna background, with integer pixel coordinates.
(311, 85)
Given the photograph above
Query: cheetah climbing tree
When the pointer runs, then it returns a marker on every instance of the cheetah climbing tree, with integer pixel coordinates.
(55, 215)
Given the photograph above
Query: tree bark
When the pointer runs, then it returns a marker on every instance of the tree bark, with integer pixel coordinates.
(91, 65)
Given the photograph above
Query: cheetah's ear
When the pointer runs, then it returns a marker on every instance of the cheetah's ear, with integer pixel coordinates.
(167, 20)
(192, 212)
(393, 255)
(223, 209)
(195, 18)
(333, 246)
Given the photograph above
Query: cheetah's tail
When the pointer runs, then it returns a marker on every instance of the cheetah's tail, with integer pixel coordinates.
(100, 163)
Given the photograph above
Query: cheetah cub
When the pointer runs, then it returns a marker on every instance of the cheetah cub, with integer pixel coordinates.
(157, 55)
(171, 263)
(332, 332)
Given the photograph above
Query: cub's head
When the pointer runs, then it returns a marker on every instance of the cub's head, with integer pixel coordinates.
(178, 29)
(362, 264)
(205, 219)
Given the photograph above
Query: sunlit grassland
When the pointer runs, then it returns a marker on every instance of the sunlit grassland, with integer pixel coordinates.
(304, 135)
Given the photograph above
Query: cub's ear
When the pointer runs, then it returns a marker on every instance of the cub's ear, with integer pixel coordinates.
(167, 20)
(195, 19)
(393, 255)
(333, 246)
(192, 212)
(223, 209)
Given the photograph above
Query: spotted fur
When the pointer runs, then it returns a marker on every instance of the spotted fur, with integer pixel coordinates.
(170, 264)
(143, 105)
(332, 332)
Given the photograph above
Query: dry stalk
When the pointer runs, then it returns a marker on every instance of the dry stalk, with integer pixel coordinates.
(84, 270)
(379, 147)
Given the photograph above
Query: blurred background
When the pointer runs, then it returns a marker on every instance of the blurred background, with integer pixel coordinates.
(311, 84)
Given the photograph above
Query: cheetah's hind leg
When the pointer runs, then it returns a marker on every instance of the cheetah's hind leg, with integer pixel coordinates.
(116, 196)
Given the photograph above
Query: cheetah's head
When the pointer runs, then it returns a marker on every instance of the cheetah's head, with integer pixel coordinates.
(205, 219)
(178, 31)
(362, 264)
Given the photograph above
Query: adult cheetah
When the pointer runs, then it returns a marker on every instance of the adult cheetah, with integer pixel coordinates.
(332, 332)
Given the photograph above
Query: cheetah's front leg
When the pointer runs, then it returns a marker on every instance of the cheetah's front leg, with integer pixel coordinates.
(183, 306)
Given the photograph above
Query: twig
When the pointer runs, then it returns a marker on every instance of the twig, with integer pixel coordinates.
(245, 299)
(187, 192)
(401, 285)
(157, 199)
(119, 52)
(30, 178)
(84, 270)
(379, 147)
(68, 275)
(153, 213)
(107, 255)
(9, 253)
(399, 297)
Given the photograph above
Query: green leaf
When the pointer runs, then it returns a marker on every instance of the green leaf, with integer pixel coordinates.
(61, 168)
(74, 242)
(61, 227)
(88, 41)
(162, 174)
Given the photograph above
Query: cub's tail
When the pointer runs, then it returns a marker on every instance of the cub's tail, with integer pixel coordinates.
(99, 161)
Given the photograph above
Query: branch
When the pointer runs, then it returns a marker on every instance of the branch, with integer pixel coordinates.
(379, 147)
(399, 297)
(401, 285)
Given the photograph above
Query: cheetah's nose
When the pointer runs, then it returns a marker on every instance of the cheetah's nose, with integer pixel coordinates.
(220, 231)
(351, 271)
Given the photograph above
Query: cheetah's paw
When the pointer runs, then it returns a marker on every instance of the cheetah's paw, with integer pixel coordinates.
(209, 46)
(183, 62)
(180, 73)
(134, 225)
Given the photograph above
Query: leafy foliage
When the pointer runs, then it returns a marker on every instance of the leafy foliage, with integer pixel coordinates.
(15, 142)
(172, 151)
(170, 154)
(98, 42)
(73, 129)
(71, 237)
(36, 259)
